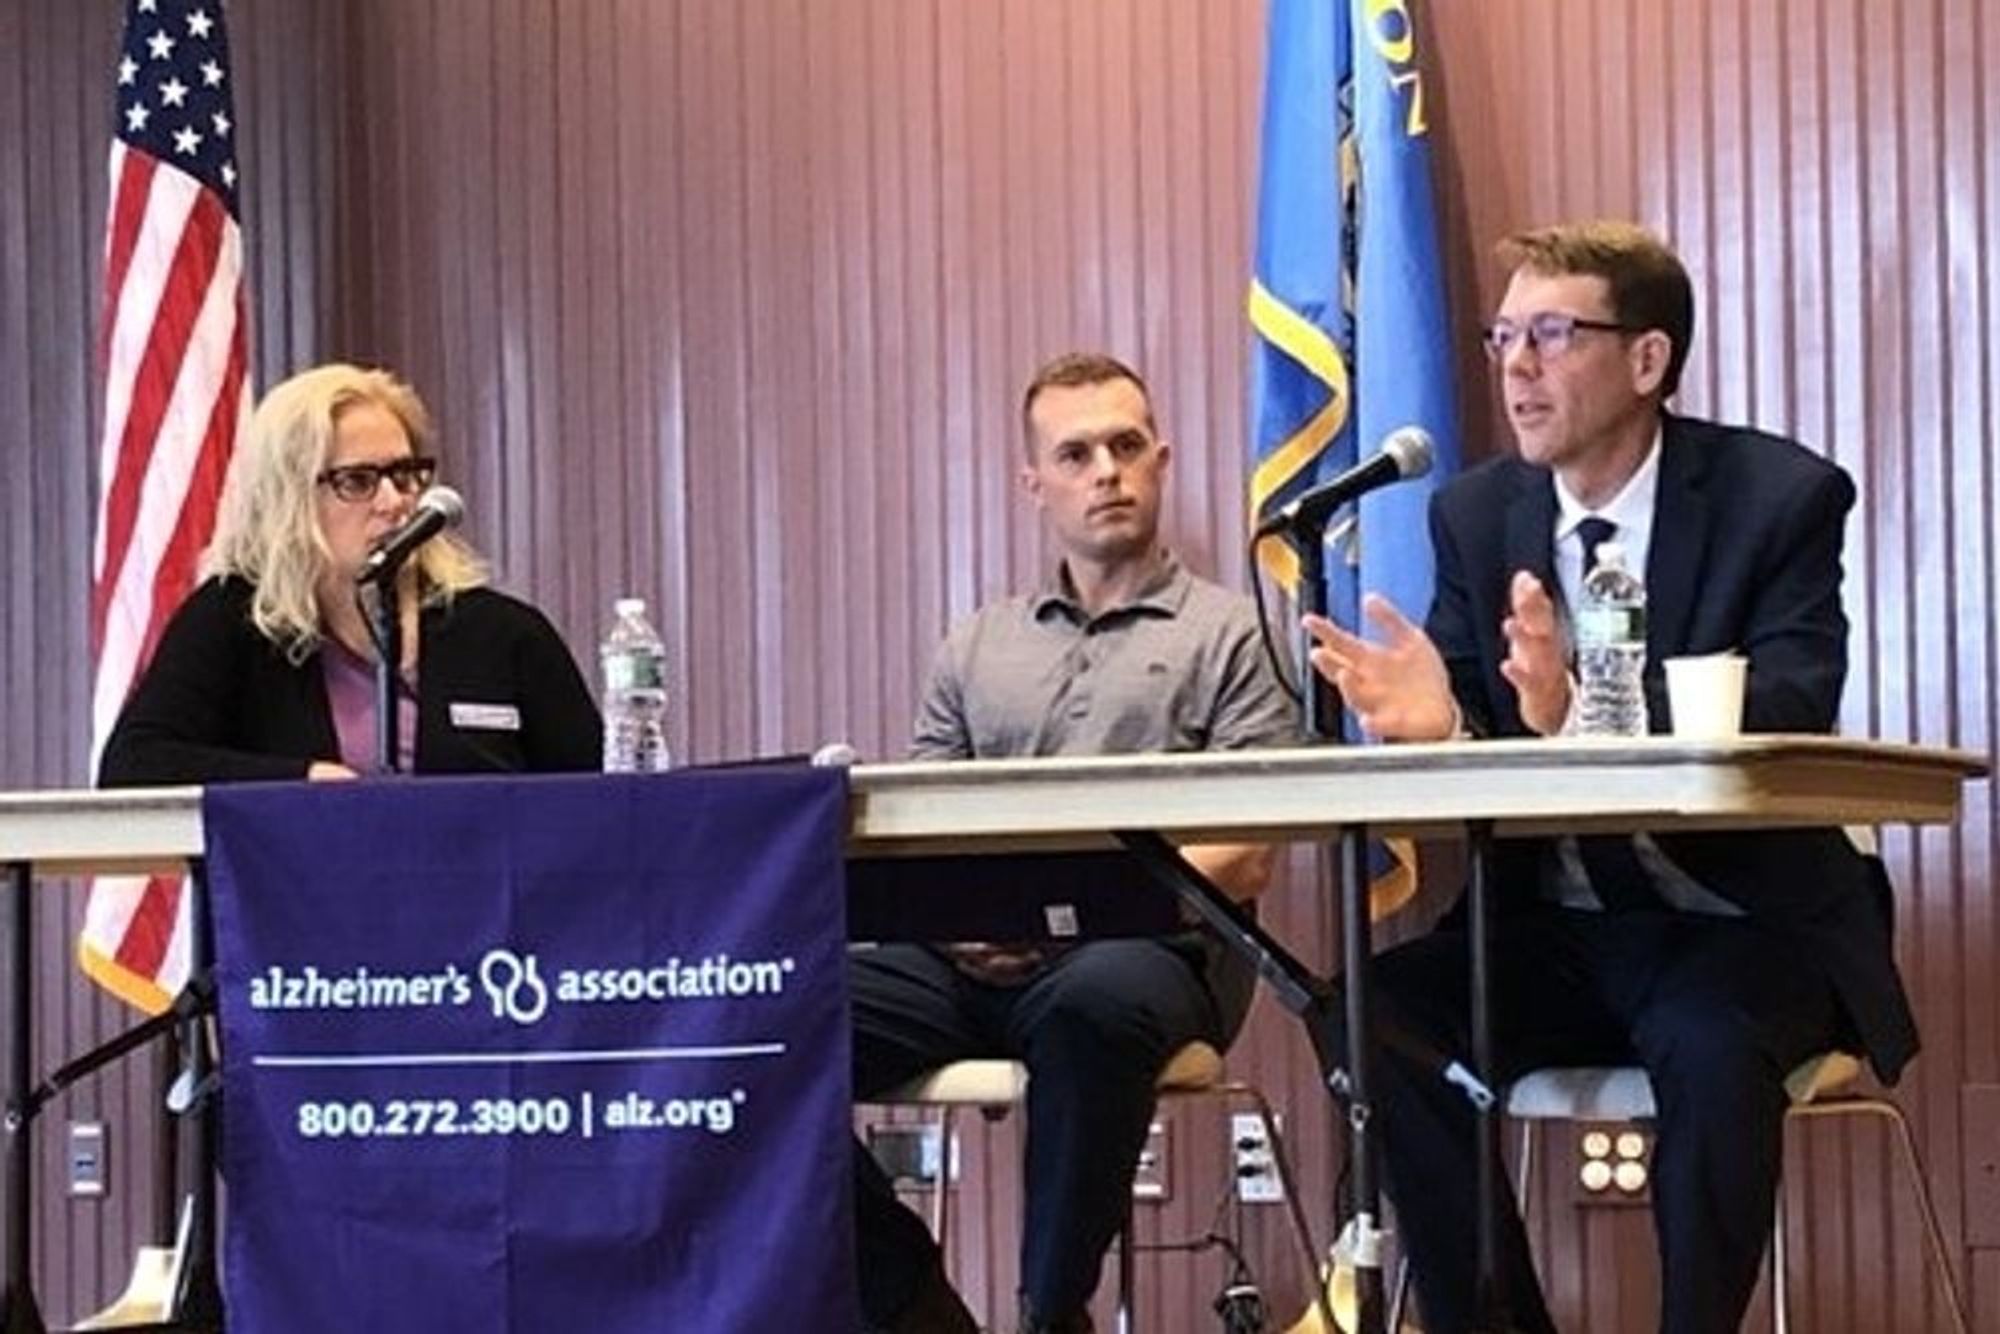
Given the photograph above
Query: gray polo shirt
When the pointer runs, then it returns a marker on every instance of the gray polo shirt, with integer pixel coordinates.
(1177, 667)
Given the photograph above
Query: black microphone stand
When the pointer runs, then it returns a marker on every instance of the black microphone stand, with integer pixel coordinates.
(1350, 1082)
(1321, 1004)
(1340, 1019)
(378, 601)
(1325, 720)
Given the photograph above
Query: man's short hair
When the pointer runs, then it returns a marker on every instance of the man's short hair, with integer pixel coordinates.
(1649, 285)
(1071, 370)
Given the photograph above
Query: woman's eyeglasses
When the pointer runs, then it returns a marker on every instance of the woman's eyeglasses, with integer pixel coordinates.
(356, 482)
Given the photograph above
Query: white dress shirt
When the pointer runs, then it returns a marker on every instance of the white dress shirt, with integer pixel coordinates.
(1632, 510)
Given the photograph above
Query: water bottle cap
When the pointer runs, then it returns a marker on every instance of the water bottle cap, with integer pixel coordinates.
(629, 606)
(1610, 553)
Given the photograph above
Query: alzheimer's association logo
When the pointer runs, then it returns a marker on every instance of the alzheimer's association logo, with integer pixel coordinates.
(514, 986)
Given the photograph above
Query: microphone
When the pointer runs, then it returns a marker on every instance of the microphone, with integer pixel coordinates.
(1405, 454)
(437, 509)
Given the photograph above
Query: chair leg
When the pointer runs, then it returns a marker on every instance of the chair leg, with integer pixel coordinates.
(947, 1127)
(1524, 1166)
(1913, 1165)
(1309, 1252)
(1922, 1187)
(1399, 1297)
(1125, 1267)
(1781, 1305)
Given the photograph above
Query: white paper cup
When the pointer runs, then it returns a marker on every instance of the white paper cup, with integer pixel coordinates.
(1705, 694)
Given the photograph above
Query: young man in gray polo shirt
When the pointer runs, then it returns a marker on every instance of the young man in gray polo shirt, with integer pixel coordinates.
(1121, 650)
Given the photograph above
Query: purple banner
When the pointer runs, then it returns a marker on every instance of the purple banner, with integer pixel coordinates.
(527, 1055)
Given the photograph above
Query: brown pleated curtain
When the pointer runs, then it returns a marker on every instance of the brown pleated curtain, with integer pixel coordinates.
(728, 304)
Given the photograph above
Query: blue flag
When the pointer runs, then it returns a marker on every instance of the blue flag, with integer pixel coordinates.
(1347, 305)
(1347, 301)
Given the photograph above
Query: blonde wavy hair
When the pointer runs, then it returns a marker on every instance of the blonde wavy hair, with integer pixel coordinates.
(267, 526)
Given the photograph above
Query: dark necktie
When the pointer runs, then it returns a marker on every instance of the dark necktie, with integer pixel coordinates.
(1610, 860)
(1595, 532)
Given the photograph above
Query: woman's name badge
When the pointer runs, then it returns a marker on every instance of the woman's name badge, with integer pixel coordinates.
(486, 717)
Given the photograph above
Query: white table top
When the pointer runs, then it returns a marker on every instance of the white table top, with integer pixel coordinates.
(1522, 786)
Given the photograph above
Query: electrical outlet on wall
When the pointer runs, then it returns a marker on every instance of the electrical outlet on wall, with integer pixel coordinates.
(85, 1166)
(912, 1154)
(1256, 1167)
(1151, 1181)
(1614, 1163)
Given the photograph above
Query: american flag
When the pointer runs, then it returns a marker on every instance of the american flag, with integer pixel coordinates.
(175, 394)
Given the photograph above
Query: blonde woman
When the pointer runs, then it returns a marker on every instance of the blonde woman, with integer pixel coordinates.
(267, 670)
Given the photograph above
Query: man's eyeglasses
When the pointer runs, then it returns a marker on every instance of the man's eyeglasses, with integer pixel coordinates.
(356, 482)
(1549, 333)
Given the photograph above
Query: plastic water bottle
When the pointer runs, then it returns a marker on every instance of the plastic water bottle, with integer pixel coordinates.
(635, 692)
(1611, 649)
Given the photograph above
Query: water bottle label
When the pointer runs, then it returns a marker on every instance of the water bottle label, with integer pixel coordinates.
(634, 671)
(1611, 625)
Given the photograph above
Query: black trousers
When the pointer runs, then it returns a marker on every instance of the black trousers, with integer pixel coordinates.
(1717, 1010)
(1094, 1027)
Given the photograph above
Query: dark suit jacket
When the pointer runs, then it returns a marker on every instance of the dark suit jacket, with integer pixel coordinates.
(1746, 556)
(220, 702)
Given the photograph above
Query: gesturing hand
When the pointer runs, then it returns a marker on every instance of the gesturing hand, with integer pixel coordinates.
(1537, 665)
(1397, 688)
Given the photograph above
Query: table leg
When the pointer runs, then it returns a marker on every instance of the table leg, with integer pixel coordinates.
(1480, 921)
(198, 1303)
(20, 1315)
(1363, 1154)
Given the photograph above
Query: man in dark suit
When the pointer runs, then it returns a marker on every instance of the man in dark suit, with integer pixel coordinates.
(1717, 962)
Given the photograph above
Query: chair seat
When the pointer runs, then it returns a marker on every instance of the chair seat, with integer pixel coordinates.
(976, 1083)
(1194, 1067)
(1822, 1074)
(994, 1085)
(1623, 1093)
(997, 1082)
(1582, 1093)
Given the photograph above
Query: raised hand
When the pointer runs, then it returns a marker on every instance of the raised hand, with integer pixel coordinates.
(1398, 687)
(1537, 663)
